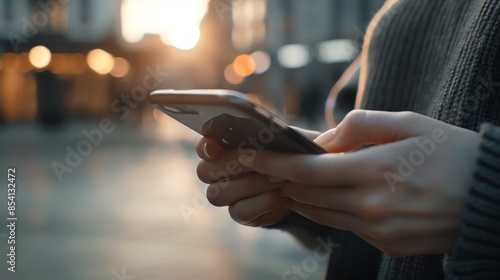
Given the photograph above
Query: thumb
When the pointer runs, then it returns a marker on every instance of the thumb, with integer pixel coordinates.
(362, 127)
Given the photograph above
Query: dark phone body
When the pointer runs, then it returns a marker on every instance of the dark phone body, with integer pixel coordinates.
(231, 120)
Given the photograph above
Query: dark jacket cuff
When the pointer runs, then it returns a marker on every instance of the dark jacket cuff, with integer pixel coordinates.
(477, 251)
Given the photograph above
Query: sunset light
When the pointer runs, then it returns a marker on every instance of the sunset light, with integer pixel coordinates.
(176, 21)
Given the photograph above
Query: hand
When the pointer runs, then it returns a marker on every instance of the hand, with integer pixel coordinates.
(404, 196)
(253, 199)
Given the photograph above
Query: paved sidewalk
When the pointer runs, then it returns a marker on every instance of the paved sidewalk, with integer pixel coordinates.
(116, 215)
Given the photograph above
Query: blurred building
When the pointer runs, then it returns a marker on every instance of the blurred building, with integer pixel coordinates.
(89, 46)
(310, 43)
(287, 53)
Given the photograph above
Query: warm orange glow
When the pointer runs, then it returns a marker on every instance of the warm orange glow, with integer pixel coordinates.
(17, 97)
(121, 68)
(77, 65)
(244, 65)
(65, 63)
(160, 116)
(23, 63)
(100, 61)
(1, 64)
(40, 57)
(58, 64)
(231, 76)
(10, 63)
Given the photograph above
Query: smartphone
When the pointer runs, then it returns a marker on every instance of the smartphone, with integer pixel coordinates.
(231, 120)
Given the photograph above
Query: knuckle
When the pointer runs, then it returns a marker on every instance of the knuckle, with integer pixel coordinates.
(408, 116)
(374, 208)
(355, 118)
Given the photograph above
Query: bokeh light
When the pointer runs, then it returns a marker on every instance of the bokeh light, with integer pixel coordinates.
(160, 117)
(183, 37)
(231, 76)
(244, 65)
(100, 61)
(262, 61)
(337, 51)
(40, 57)
(294, 56)
(121, 67)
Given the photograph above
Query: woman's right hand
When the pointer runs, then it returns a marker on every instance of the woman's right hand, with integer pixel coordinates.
(253, 199)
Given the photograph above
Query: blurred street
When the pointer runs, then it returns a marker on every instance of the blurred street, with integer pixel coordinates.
(116, 216)
(106, 186)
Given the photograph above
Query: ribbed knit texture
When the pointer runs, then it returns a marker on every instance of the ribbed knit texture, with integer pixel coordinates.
(477, 254)
(441, 58)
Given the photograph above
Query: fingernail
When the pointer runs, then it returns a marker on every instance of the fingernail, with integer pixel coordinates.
(205, 150)
(326, 137)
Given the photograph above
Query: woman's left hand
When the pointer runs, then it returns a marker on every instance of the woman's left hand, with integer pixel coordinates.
(405, 195)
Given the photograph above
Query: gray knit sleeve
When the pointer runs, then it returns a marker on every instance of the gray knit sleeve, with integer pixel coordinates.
(477, 251)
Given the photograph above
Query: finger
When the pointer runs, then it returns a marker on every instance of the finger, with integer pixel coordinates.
(229, 192)
(323, 170)
(327, 217)
(227, 165)
(361, 127)
(248, 210)
(344, 198)
(208, 149)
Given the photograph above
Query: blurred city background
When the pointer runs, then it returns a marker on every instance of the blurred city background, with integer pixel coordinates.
(129, 203)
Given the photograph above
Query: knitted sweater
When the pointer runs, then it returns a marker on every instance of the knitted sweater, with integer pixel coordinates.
(440, 58)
